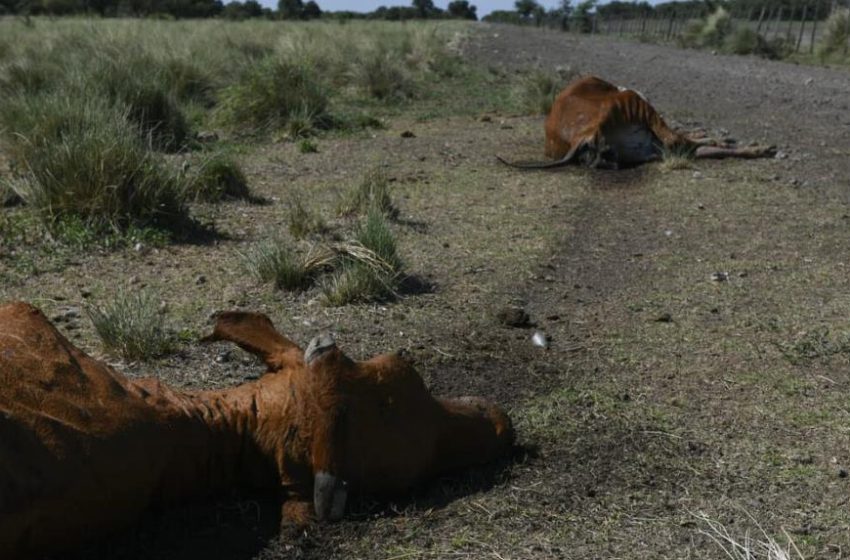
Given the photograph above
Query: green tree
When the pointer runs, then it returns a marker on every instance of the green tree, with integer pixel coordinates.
(583, 17)
(526, 7)
(424, 8)
(290, 9)
(462, 9)
(311, 10)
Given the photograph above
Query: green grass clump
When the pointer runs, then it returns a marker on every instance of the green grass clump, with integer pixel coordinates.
(372, 192)
(84, 158)
(835, 36)
(218, 177)
(307, 146)
(369, 269)
(816, 344)
(131, 326)
(302, 221)
(382, 74)
(270, 94)
(272, 261)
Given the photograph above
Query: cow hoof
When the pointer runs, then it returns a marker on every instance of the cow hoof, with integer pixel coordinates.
(318, 346)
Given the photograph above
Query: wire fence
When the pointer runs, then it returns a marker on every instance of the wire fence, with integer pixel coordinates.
(800, 27)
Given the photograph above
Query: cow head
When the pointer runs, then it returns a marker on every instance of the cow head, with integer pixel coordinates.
(370, 426)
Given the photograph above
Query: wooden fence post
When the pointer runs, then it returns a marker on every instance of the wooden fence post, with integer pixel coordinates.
(778, 19)
(802, 28)
(814, 28)
(789, 33)
(670, 24)
(761, 19)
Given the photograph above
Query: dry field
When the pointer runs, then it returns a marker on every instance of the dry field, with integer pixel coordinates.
(699, 313)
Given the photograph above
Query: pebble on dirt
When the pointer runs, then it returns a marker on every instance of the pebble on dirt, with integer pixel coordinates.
(720, 276)
(540, 339)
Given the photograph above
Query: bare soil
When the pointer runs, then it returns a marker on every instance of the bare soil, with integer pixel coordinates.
(699, 319)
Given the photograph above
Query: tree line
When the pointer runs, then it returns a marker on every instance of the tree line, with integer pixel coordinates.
(286, 9)
(578, 14)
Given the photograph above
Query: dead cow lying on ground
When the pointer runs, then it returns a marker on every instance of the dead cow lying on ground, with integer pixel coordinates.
(84, 450)
(602, 125)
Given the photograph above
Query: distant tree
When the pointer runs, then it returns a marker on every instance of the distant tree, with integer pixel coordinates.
(582, 16)
(425, 8)
(311, 10)
(462, 9)
(525, 7)
(290, 9)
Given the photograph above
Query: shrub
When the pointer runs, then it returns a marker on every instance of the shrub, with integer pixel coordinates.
(130, 325)
(272, 261)
(82, 157)
(709, 32)
(218, 177)
(270, 94)
(835, 35)
(372, 192)
(382, 74)
(744, 40)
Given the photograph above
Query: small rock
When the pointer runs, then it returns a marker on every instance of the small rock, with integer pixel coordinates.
(809, 81)
(513, 317)
(842, 473)
(163, 307)
(720, 276)
(200, 279)
(407, 134)
(139, 247)
(697, 175)
(540, 339)
(133, 280)
(223, 357)
(780, 155)
(206, 137)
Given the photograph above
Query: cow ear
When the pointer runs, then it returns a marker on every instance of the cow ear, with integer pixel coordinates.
(255, 333)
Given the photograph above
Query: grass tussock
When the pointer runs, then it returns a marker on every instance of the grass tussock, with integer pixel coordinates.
(302, 221)
(218, 177)
(745, 41)
(762, 546)
(369, 269)
(84, 158)
(131, 326)
(271, 94)
(836, 34)
(676, 159)
(272, 261)
(373, 192)
(816, 344)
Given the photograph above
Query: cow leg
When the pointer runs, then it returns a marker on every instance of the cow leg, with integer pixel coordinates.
(748, 152)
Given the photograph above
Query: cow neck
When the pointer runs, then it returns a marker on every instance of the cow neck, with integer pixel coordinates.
(213, 443)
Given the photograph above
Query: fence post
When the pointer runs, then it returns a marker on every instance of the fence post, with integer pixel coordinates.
(802, 28)
(847, 34)
(761, 19)
(670, 24)
(814, 28)
(778, 19)
(593, 29)
(790, 33)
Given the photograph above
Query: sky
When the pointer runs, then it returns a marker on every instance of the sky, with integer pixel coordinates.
(484, 6)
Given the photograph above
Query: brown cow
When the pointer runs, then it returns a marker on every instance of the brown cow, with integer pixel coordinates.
(606, 126)
(84, 450)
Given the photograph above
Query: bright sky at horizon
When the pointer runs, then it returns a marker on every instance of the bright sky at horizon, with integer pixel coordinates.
(484, 6)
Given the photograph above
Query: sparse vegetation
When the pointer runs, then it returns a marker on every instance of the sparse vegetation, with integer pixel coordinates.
(273, 261)
(217, 177)
(131, 325)
(373, 192)
(709, 32)
(673, 159)
(303, 221)
(538, 89)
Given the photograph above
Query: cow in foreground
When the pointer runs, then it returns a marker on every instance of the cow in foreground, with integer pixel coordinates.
(602, 125)
(84, 450)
